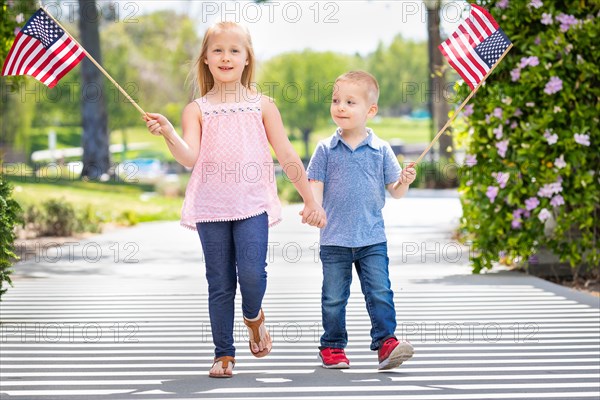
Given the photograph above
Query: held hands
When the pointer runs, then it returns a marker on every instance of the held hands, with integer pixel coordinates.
(314, 215)
(158, 124)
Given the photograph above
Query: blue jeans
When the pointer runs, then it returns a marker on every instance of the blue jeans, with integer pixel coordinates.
(233, 250)
(371, 264)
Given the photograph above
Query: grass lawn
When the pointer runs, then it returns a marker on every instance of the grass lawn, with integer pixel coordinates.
(408, 130)
(114, 201)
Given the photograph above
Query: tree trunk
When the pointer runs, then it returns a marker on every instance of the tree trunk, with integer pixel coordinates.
(306, 139)
(96, 161)
(437, 80)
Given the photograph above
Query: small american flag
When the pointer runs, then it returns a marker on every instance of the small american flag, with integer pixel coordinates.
(42, 50)
(475, 46)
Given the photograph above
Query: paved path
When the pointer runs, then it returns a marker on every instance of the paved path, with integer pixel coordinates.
(124, 316)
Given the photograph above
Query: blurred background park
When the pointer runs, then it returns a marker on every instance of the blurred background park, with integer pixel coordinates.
(149, 48)
(78, 156)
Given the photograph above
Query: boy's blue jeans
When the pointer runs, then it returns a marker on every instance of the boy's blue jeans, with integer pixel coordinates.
(233, 250)
(371, 264)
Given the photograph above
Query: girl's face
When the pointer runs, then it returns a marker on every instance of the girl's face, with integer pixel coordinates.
(226, 56)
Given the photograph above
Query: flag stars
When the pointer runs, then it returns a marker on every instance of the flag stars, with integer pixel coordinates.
(43, 29)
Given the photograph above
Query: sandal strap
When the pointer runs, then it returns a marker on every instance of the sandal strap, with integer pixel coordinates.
(255, 326)
(225, 360)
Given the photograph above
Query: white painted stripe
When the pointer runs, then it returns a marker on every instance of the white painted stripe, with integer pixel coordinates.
(59, 353)
(353, 370)
(504, 377)
(500, 386)
(86, 392)
(324, 389)
(196, 370)
(414, 360)
(103, 382)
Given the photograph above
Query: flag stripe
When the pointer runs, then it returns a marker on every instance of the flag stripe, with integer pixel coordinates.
(472, 56)
(470, 27)
(482, 22)
(73, 54)
(454, 63)
(48, 59)
(464, 59)
(59, 57)
(33, 48)
(14, 53)
(486, 16)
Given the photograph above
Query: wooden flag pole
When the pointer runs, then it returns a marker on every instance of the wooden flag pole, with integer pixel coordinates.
(98, 65)
(458, 110)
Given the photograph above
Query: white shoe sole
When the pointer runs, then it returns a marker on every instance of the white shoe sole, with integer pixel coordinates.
(341, 365)
(404, 351)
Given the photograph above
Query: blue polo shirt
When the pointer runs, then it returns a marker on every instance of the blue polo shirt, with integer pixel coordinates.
(354, 192)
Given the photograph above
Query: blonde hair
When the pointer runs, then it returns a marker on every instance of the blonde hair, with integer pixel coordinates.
(365, 78)
(204, 80)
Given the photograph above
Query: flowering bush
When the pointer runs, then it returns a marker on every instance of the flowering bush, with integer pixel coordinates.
(531, 179)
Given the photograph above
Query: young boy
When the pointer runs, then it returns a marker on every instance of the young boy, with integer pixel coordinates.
(349, 173)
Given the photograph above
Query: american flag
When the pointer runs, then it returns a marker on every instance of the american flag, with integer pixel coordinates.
(475, 46)
(42, 50)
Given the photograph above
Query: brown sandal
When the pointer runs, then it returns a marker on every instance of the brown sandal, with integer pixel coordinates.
(225, 360)
(254, 328)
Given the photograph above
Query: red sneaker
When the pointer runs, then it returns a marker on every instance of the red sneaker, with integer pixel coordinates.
(392, 353)
(334, 358)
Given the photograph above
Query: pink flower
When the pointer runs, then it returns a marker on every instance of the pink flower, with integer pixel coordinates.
(468, 110)
(502, 4)
(498, 132)
(531, 61)
(530, 104)
(513, 125)
(550, 137)
(557, 109)
(515, 74)
(518, 112)
(544, 214)
(531, 203)
(491, 193)
(516, 221)
(501, 178)
(19, 18)
(497, 112)
(470, 160)
(582, 139)
(554, 85)
(537, 41)
(557, 201)
(566, 21)
(536, 3)
(502, 146)
(560, 162)
(550, 188)
(547, 19)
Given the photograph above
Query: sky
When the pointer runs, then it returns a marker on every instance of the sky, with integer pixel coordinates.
(347, 26)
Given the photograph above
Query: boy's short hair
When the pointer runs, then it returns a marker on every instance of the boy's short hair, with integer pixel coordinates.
(363, 77)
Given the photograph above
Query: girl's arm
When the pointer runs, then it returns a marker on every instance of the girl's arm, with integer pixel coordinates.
(313, 212)
(186, 149)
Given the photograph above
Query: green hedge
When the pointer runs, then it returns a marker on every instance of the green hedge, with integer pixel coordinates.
(531, 177)
(10, 215)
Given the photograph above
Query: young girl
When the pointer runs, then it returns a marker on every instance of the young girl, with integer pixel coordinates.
(231, 198)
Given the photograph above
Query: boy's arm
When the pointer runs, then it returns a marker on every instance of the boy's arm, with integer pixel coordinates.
(399, 188)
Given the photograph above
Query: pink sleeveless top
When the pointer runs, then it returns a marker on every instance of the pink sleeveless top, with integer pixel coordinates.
(234, 176)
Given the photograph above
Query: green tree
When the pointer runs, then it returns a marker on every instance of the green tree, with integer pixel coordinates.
(301, 83)
(9, 209)
(531, 176)
(401, 70)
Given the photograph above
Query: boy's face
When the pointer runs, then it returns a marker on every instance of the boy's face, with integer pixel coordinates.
(351, 106)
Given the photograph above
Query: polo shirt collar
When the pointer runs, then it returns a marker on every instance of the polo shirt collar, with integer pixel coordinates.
(337, 138)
